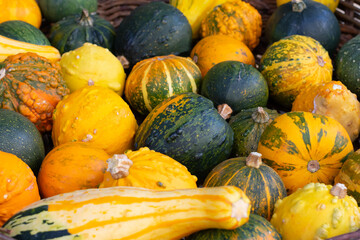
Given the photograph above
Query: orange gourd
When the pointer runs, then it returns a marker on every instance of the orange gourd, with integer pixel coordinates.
(18, 187)
(24, 10)
(71, 166)
(214, 49)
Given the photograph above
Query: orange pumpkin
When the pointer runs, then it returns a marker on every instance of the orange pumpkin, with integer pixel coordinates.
(71, 166)
(24, 10)
(18, 187)
(218, 48)
(96, 115)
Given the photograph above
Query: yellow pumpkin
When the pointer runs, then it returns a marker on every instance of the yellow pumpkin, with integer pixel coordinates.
(332, 4)
(332, 99)
(96, 115)
(92, 65)
(148, 169)
(24, 10)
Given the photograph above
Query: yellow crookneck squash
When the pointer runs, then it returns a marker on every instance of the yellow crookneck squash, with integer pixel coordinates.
(131, 213)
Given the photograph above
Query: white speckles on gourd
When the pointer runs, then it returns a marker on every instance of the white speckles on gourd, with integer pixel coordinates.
(321, 206)
(88, 138)
(322, 232)
(336, 217)
(309, 186)
(297, 207)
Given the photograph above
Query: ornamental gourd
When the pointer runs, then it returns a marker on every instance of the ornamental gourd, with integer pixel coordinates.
(323, 210)
(18, 187)
(332, 99)
(96, 115)
(71, 166)
(238, 19)
(155, 79)
(148, 169)
(304, 147)
(24, 10)
(293, 63)
(131, 213)
(32, 85)
(260, 183)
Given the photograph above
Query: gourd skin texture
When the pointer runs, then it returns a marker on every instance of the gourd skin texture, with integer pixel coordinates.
(24, 10)
(291, 64)
(131, 213)
(155, 79)
(152, 170)
(332, 4)
(304, 147)
(96, 115)
(313, 213)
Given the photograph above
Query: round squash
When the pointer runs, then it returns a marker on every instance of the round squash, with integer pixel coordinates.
(239, 85)
(92, 65)
(71, 166)
(187, 128)
(293, 63)
(32, 85)
(331, 4)
(256, 228)
(305, 147)
(96, 115)
(332, 99)
(248, 125)
(238, 19)
(55, 10)
(155, 79)
(18, 187)
(19, 136)
(153, 29)
(304, 17)
(323, 210)
(214, 49)
(75, 30)
(148, 169)
(24, 10)
(260, 183)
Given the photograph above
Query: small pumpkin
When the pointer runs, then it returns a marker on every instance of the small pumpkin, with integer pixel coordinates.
(260, 183)
(18, 187)
(293, 63)
(24, 10)
(331, 4)
(155, 79)
(73, 31)
(148, 169)
(248, 125)
(304, 147)
(96, 115)
(238, 19)
(214, 49)
(332, 99)
(323, 210)
(92, 65)
(32, 85)
(71, 166)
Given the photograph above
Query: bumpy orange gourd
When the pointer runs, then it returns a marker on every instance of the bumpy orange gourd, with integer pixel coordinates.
(96, 115)
(24, 10)
(18, 187)
(71, 166)
(32, 85)
(332, 99)
(238, 19)
(218, 48)
(148, 169)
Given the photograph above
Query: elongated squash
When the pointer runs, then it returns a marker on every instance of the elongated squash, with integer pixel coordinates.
(10, 46)
(131, 213)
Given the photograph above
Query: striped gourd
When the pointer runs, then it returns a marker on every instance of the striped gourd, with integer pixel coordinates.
(131, 213)
(153, 80)
(305, 147)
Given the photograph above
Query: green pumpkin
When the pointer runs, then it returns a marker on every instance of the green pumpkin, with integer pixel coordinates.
(73, 31)
(189, 129)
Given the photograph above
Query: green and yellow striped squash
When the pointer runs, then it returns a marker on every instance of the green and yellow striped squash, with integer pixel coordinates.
(155, 79)
(260, 183)
(130, 213)
(305, 147)
(293, 63)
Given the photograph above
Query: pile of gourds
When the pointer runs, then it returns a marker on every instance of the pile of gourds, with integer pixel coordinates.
(166, 127)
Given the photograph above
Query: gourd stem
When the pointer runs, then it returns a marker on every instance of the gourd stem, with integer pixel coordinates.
(119, 166)
(254, 160)
(224, 110)
(298, 5)
(85, 19)
(124, 62)
(339, 190)
(313, 166)
(260, 116)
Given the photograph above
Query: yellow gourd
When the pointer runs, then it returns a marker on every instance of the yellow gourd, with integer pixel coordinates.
(92, 65)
